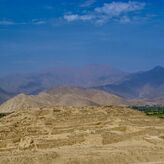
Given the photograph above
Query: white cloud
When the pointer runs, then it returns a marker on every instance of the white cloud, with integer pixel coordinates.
(38, 22)
(71, 17)
(107, 12)
(88, 3)
(11, 22)
(76, 17)
(6, 22)
(86, 17)
(117, 8)
(125, 19)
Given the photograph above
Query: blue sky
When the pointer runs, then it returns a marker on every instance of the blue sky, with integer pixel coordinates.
(37, 35)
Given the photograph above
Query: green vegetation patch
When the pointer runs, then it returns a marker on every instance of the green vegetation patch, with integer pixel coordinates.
(155, 110)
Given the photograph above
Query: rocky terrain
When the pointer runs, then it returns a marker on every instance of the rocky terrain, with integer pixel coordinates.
(81, 135)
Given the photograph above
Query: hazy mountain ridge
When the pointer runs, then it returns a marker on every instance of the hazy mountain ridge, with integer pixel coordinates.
(86, 76)
(144, 87)
(4, 95)
(147, 84)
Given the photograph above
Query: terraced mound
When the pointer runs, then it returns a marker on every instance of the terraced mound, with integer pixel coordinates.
(84, 135)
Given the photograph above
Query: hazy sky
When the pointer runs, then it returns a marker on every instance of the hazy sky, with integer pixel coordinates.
(40, 34)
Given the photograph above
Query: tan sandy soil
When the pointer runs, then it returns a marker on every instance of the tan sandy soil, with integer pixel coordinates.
(84, 135)
(62, 96)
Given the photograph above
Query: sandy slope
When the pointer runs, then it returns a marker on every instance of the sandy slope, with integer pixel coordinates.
(86, 135)
(62, 96)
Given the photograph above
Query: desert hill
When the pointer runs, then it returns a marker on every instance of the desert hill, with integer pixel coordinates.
(94, 95)
(20, 101)
(62, 96)
(81, 135)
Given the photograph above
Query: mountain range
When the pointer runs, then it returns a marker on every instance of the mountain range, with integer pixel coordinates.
(82, 76)
(146, 87)
(4, 95)
(147, 84)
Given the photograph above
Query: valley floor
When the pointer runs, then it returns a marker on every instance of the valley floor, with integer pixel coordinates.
(84, 135)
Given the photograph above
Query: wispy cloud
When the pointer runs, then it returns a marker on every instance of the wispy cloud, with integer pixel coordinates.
(76, 17)
(7, 22)
(12, 22)
(122, 12)
(118, 8)
(125, 19)
(38, 22)
(107, 12)
(88, 3)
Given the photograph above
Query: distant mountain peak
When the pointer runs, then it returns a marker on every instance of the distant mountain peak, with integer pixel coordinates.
(147, 84)
(158, 68)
